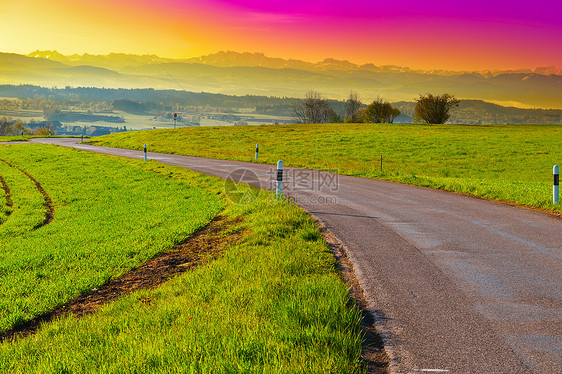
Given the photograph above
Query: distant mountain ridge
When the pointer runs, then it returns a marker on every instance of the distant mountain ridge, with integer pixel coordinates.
(234, 73)
(251, 59)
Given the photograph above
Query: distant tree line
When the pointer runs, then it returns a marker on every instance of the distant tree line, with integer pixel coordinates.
(58, 115)
(157, 102)
(13, 128)
(10, 127)
(148, 98)
(316, 109)
(134, 106)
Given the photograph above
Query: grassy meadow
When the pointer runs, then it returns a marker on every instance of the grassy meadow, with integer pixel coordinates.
(510, 163)
(109, 217)
(273, 302)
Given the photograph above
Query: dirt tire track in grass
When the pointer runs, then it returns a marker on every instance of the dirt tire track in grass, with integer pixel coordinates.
(50, 209)
(205, 245)
(7, 193)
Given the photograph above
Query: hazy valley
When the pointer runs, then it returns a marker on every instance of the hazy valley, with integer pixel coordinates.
(97, 111)
(234, 73)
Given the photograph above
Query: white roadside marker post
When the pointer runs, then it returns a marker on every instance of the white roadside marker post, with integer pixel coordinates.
(279, 191)
(145, 152)
(257, 150)
(555, 190)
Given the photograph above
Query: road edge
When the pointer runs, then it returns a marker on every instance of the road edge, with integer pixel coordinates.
(376, 355)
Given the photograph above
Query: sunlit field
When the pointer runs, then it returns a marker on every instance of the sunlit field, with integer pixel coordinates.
(511, 163)
(272, 301)
(108, 218)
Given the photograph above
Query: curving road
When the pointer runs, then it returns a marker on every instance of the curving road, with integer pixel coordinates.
(456, 284)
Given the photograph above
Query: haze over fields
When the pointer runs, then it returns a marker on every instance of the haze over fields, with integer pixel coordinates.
(257, 74)
(504, 52)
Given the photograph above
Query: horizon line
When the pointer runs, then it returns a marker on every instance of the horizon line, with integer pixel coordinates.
(490, 70)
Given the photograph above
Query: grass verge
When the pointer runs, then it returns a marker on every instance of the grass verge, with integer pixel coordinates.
(510, 163)
(274, 302)
(13, 139)
(19, 138)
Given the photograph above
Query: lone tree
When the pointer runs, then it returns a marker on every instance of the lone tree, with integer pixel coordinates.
(434, 109)
(380, 111)
(352, 108)
(314, 109)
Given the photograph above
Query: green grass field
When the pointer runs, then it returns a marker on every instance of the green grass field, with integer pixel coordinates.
(109, 218)
(511, 163)
(274, 302)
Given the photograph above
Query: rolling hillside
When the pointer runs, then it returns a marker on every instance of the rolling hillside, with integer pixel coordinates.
(256, 74)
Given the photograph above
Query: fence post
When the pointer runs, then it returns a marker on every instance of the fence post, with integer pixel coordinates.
(279, 191)
(555, 190)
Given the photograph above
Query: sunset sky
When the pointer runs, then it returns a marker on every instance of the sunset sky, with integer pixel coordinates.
(455, 35)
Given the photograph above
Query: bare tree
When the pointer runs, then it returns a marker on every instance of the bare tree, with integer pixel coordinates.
(9, 127)
(313, 109)
(380, 111)
(434, 109)
(19, 128)
(5, 126)
(45, 130)
(352, 108)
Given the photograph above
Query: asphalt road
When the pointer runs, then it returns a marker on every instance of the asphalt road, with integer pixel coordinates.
(456, 284)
